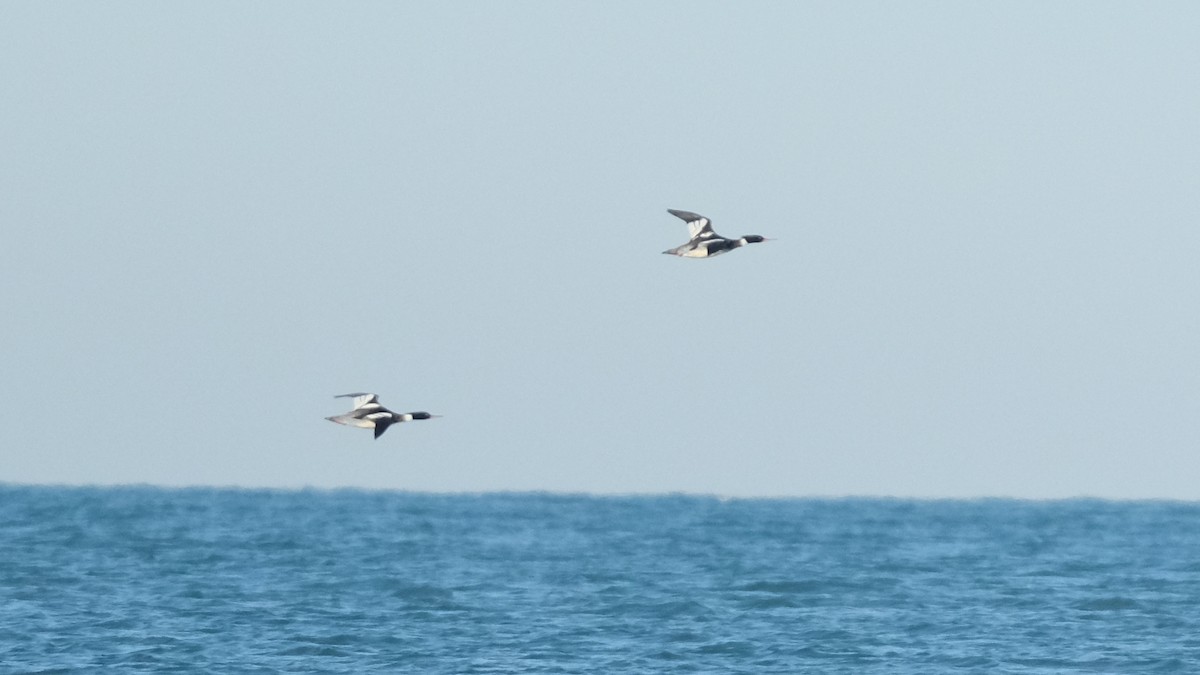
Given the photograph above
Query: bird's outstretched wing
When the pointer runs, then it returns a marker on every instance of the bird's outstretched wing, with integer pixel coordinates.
(352, 421)
(699, 227)
(382, 426)
(360, 399)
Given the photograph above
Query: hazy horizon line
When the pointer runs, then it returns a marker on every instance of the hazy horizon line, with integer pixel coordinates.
(632, 494)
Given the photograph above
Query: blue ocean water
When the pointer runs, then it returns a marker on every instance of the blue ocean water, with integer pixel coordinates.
(217, 580)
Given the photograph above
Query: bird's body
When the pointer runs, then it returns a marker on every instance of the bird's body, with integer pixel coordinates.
(368, 413)
(703, 242)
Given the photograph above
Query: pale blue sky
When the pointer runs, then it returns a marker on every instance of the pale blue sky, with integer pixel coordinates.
(218, 215)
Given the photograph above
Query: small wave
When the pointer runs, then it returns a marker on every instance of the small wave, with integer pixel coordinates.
(315, 650)
(770, 602)
(728, 647)
(1115, 603)
(784, 586)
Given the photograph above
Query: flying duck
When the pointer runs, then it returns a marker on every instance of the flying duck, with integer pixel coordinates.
(368, 413)
(705, 243)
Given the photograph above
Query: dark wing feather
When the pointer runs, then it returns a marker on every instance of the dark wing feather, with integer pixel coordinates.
(382, 426)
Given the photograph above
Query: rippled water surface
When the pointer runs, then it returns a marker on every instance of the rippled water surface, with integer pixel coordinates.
(199, 580)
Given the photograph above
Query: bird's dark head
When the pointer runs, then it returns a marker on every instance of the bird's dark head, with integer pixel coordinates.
(423, 416)
(753, 239)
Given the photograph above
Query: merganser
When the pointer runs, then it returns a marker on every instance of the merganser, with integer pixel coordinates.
(368, 413)
(705, 243)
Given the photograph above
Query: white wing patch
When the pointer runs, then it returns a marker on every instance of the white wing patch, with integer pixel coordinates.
(364, 400)
(699, 228)
(360, 400)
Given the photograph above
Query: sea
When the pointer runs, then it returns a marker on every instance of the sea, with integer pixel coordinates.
(199, 580)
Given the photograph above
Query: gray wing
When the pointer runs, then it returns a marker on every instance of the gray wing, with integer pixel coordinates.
(352, 421)
(699, 227)
(360, 399)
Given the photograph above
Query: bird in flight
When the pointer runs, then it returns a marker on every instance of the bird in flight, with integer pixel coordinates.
(705, 243)
(368, 413)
